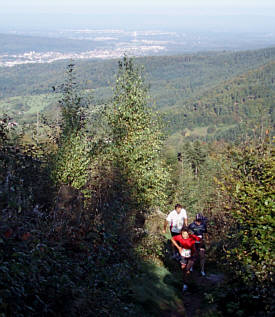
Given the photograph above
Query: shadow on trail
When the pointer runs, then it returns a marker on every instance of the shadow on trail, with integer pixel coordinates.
(156, 291)
(198, 300)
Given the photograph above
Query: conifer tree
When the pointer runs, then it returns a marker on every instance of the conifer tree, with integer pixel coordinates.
(137, 139)
(72, 160)
(72, 104)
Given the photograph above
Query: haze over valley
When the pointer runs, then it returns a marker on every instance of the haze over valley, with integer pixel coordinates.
(45, 47)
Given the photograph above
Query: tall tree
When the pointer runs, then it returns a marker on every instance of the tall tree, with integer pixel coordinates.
(72, 160)
(72, 103)
(137, 139)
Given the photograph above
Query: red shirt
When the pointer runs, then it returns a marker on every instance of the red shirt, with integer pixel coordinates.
(187, 243)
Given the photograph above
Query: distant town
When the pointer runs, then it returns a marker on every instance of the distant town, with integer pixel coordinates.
(49, 57)
(46, 47)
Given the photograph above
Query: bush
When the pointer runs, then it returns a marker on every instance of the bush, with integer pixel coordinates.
(248, 191)
(211, 129)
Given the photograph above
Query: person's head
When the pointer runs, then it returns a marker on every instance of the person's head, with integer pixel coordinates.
(184, 233)
(178, 208)
(199, 218)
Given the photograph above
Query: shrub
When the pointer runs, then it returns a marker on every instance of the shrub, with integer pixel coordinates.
(248, 190)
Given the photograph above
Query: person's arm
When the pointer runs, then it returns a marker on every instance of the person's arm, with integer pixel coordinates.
(191, 227)
(185, 219)
(193, 236)
(165, 226)
(176, 244)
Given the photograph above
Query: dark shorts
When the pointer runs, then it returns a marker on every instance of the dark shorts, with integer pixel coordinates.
(174, 233)
(184, 260)
(200, 245)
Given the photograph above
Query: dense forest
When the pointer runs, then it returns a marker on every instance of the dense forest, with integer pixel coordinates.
(84, 192)
(243, 104)
(187, 74)
(211, 96)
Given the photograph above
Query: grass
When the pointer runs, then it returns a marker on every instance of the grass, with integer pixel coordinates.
(24, 107)
(178, 139)
(198, 131)
(156, 290)
(27, 105)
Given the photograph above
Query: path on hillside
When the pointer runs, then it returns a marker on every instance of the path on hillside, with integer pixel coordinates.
(194, 299)
(194, 303)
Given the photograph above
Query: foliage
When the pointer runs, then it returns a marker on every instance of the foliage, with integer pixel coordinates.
(172, 77)
(195, 155)
(248, 189)
(92, 273)
(137, 139)
(39, 277)
(243, 104)
(232, 90)
(155, 289)
(193, 168)
(72, 104)
(97, 267)
(72, 161)
(20, 191)
(232, 301)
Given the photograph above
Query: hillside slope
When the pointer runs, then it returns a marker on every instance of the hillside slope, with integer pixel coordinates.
(245, 100)
(171, 78)
(211, 95)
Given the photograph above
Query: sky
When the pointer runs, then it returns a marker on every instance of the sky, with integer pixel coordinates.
(197, 14)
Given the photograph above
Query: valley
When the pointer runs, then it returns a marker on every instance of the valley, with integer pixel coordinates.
(18, 48)
(212, 95)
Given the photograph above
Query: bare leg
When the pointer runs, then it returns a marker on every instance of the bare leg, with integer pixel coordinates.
(190, 263)
(202, 258)
(186, 269)
(195, 257)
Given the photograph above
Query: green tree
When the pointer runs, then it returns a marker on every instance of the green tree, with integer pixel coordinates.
(72, 103)
(248, 191)
(193, 177)
(72, 160)
(195, 154)
(137, 139)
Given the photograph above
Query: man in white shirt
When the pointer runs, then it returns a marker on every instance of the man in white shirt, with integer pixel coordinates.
(176, 219)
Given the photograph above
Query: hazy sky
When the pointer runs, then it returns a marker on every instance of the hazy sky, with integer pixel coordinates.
(134, 6)
(245, 14)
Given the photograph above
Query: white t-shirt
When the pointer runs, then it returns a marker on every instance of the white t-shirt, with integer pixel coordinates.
(176, 221)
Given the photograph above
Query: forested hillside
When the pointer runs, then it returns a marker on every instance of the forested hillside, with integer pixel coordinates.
(207, 95)
(170, 77)
(238, 106)
(84, 195)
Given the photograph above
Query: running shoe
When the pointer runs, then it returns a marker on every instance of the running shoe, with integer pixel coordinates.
(203, 273)
(184, 288)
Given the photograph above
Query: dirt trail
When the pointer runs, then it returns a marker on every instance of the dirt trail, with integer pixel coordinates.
(194, 298)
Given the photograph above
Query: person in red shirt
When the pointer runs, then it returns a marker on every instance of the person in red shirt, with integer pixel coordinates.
(185, 243)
